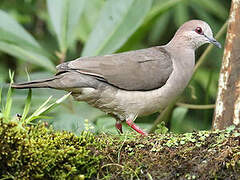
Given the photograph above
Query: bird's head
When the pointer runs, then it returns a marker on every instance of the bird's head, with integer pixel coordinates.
(195, 33)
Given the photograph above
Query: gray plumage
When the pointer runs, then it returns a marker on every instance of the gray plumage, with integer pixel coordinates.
(144, 69)
(133, 83)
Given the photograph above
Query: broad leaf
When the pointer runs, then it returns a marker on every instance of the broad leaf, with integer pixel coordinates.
(181, 13)
(213, 6)
(27, 55)
(10, 30)
(118, 21)
(158, 29)
(64, 17)
(160, 8)
(14, 37)
(89, 18)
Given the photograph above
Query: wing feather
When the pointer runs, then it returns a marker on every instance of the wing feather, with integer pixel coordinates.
(145, 69)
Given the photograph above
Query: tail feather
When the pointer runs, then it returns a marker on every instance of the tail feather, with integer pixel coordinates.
(65, 81)
(44, 83)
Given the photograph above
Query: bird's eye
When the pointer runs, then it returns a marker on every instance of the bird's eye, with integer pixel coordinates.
(199, 30)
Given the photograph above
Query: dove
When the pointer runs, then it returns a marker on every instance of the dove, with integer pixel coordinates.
(135, 83)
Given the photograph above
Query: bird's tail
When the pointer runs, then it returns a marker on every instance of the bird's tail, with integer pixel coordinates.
(44, 83)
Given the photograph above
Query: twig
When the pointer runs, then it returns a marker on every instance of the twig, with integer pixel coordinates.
(196, 106)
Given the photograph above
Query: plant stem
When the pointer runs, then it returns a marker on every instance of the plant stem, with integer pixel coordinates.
(196, 106)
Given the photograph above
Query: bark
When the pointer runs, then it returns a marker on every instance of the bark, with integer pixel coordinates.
(227, 110)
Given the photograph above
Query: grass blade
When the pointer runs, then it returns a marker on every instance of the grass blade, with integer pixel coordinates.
(27, 105)
(44, 108)
(7, 108)
(55, 104)
(38, 111)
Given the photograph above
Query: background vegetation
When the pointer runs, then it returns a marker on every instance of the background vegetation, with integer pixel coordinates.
(37, 35)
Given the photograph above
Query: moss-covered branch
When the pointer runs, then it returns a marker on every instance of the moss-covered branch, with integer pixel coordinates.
(40, 152)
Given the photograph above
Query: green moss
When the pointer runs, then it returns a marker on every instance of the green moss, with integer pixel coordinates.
(198, 155)
(39, 152)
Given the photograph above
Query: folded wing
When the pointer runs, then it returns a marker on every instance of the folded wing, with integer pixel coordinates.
(143, 70)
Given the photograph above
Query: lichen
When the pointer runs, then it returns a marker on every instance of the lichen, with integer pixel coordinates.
(37, 152)
(197, 155)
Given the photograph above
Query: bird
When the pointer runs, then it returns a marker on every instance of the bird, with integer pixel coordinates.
(135, 83)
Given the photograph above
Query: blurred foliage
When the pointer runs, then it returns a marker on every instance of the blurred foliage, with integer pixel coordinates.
(36, 35)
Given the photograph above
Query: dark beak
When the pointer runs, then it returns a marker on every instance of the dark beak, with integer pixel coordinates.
(214, 41)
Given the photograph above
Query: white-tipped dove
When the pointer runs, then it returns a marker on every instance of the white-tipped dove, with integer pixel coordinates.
(134, 83)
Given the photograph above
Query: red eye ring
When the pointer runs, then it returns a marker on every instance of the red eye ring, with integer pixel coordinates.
(199, 30)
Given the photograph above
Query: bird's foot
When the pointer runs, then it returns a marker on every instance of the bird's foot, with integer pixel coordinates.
(135, 127)
(119, 127)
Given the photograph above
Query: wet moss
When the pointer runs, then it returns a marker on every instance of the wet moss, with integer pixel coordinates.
(37, 152)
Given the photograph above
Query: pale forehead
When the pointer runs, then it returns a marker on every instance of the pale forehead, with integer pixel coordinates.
(191, 25)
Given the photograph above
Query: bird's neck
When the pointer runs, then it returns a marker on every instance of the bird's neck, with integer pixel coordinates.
(181, 43)
(183, 59)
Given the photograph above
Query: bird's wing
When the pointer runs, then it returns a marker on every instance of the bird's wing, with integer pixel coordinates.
(145, 69)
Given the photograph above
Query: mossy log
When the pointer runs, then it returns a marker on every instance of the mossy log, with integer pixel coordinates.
(37, 152)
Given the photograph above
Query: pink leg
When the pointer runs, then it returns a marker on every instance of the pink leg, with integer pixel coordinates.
(119, 126)
(135, 127)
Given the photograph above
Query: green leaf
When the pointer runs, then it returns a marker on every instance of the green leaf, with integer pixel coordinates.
(161, 128)
(201, 77)
(159, 27)
(8, 105)
(14, 30)
(215, 7)
(203, 14)
(181, 14)
(38, 112)
(0, 95)
(27, 105)
(89, 18)
(178, 116)
(64, 16)
(45, 108)
(7, 108)
(27, 55)
(118, 21)
(160, 8)
(14, 37)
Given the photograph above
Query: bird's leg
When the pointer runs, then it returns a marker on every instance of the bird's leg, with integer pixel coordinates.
(135, 127)
(119, 126)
